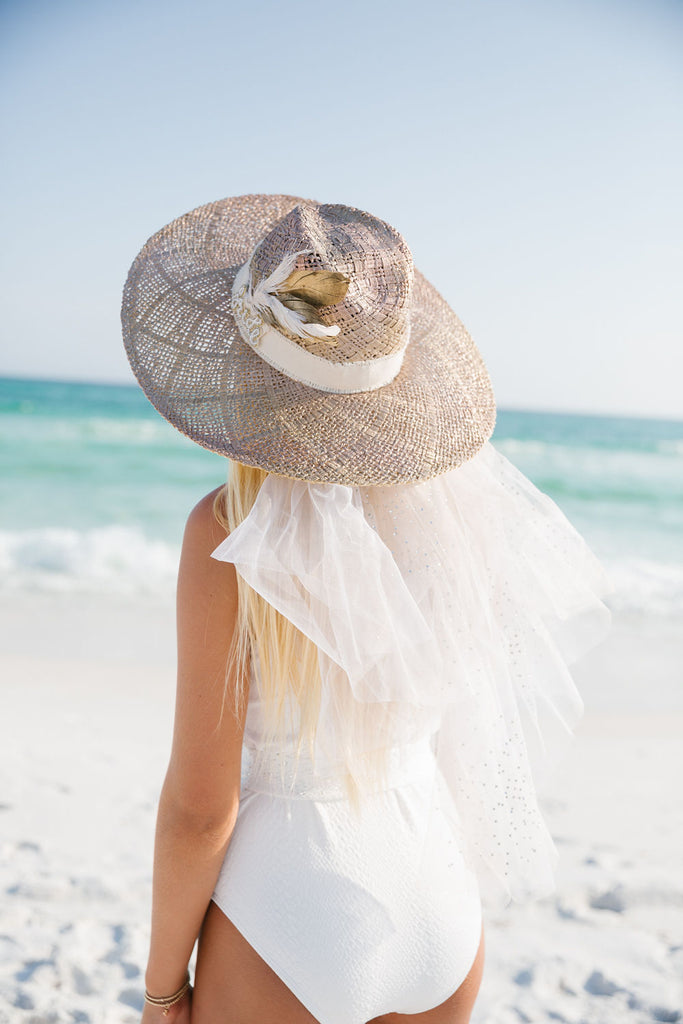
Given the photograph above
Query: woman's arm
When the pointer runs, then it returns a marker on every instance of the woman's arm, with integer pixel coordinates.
(200, 796)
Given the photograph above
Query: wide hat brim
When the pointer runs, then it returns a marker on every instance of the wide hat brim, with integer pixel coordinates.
(191, 361)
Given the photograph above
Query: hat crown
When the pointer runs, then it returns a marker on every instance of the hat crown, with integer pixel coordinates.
(374, 316)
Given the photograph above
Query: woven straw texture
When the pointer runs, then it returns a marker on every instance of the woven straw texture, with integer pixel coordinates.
(374, 318)
(194, 366)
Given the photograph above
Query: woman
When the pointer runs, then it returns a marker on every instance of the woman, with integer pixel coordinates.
(374, 619)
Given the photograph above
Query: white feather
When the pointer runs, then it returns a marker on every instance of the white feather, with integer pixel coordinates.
(282, 271)
(263, 297)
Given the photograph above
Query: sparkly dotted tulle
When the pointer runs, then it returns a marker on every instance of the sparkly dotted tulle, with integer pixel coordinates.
(450, 609)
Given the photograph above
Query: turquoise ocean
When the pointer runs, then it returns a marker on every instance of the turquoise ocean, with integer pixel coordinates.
(95, 488)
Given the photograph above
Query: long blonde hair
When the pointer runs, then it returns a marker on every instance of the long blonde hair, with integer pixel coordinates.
(287, 659)
(288, 666)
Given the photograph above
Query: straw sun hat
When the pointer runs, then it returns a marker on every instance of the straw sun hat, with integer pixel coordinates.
(297, 337)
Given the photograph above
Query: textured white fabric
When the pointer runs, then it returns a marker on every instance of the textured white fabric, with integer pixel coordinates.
(359, 915)
(447, 608)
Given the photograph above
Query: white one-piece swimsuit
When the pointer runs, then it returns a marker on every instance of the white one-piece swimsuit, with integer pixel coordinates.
(359, 913)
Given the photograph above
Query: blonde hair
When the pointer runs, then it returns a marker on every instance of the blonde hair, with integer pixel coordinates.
(288, 666)
(287, 659)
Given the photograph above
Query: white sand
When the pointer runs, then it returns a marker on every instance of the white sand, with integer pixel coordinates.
(87, 698)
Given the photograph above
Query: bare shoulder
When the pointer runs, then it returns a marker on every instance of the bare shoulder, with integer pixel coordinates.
(200, 576)
(202, 529)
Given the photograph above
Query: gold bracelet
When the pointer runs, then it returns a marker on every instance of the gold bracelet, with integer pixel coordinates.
(168, 1001)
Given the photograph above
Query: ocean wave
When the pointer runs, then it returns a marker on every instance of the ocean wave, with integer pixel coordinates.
(627, 476)
(122, 560)
(107, 559)
(91, 430)
(574, 448)
(673, 447)
(645, 585)
(512, 446)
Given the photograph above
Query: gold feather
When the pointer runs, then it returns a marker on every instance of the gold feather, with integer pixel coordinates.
(315, 287)
(307, 311)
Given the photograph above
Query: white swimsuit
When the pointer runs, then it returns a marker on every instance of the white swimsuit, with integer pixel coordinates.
(359, 915)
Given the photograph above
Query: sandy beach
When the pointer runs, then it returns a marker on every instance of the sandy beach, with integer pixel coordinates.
(87, 710)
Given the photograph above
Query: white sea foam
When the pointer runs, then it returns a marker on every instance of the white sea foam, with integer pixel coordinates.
(674, 447)
(643, 585)
(549, 452)
(122, 560)
(112, 559)
(512, 446)
(89, 430)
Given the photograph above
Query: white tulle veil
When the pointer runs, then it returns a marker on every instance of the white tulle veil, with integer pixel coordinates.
(448, 608)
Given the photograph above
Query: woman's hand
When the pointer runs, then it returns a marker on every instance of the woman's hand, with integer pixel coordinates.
(179, 1013)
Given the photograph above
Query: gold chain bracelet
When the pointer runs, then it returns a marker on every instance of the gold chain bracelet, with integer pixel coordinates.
(168, 1001)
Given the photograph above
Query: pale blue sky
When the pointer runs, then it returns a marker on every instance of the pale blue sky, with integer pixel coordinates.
(530, 152)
